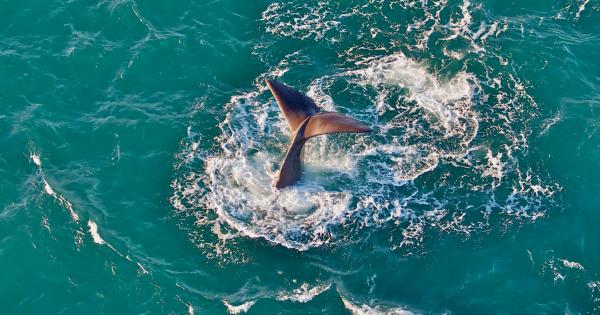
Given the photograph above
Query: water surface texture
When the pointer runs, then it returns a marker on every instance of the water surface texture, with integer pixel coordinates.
(139, 147)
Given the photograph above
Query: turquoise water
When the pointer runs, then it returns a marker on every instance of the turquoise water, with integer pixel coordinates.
(139, 147)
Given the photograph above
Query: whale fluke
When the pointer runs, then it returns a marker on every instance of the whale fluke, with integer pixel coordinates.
(306, 120)
(329, 122)
(296, 107)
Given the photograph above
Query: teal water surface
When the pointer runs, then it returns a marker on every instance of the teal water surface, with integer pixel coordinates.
(140, 144)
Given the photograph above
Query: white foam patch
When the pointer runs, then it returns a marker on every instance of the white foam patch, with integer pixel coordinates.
(581, 8)
(495, 167)
(36, 159)
(239, 309)
(364, 309)
(94, 233)
(406, 161)
(304, 293)
(448, 101)
(572, 264)
(444, 100)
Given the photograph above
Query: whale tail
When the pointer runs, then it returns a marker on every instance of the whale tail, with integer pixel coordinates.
(306, 120)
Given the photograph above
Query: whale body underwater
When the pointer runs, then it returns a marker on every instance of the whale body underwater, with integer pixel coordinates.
(305, 120)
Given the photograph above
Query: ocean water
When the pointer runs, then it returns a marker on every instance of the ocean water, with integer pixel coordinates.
(139, 145)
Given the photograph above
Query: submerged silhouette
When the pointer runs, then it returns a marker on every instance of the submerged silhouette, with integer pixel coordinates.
(306, 120)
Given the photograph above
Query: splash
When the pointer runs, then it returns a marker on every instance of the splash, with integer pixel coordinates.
(446, 101)
(429, 164)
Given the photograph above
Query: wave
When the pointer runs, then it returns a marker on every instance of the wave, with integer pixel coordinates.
(35, 158)
(92, 226)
